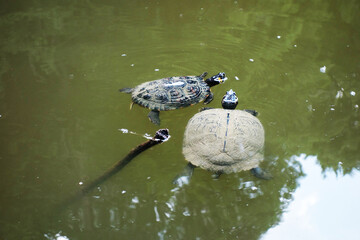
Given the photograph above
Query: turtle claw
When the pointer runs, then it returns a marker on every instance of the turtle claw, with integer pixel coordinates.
(154, 117)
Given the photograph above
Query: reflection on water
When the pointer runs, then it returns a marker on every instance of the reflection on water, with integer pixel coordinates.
(57, 236)
(61, 65)
(320, 209)
(245, 205)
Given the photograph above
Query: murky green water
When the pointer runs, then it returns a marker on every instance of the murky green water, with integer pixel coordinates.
(296, 62)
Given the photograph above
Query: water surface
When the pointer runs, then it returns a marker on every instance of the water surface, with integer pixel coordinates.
(62, 63)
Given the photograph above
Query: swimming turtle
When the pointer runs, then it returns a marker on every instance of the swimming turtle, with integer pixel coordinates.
(223, 141)
(173, 93)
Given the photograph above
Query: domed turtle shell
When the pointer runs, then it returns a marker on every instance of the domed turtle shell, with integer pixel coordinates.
(171, 93)
(222, 140)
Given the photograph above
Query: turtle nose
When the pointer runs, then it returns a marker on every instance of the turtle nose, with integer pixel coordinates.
(230, 92)
(222, 77)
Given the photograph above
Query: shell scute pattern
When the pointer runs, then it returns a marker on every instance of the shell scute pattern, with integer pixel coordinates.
(171, 93)
(224, 140)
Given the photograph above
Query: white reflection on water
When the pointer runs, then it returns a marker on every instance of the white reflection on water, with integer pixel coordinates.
(323, 207)
(157, 216)
(114, 217)
(57, 236)
(323, 69)
(339, 94)
(250, 188)
(134, 201)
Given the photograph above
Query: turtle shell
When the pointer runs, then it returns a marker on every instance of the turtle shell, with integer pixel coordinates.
(171, 93)
(224, 140)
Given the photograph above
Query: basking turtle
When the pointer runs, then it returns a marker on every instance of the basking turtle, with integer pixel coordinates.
(223, 141)
(173, 93)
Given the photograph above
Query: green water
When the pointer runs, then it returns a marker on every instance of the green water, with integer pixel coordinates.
(61, 65)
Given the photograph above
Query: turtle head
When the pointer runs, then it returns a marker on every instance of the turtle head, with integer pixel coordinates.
(216, 79)
(161, 135)
(230, 100)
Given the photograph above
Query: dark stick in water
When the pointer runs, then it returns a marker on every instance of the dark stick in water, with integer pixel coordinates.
(160, 136)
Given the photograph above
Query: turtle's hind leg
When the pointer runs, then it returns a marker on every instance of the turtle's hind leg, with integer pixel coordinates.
(259, 173)
(126, 90)
(154, 117)
(185, 176)
(216, 175)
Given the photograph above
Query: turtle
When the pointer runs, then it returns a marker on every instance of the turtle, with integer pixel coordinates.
(223, 141)
(173, 93)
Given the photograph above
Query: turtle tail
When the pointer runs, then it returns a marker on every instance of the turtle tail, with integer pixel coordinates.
(126, 90)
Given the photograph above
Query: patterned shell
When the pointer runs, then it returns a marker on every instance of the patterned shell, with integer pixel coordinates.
(224, 140)
(171, 93)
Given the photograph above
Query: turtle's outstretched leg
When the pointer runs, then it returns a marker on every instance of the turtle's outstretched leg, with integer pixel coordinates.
(185, 176)
(259, 173)
(126, 90)
(154, 117)
(252, 112)
(209, 98)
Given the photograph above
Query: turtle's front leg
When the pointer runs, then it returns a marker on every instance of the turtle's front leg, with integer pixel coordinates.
(203, 75)
(209, 98)
(185, 176)
(154, 117)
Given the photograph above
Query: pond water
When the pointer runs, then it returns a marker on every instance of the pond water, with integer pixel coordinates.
(296, 62)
